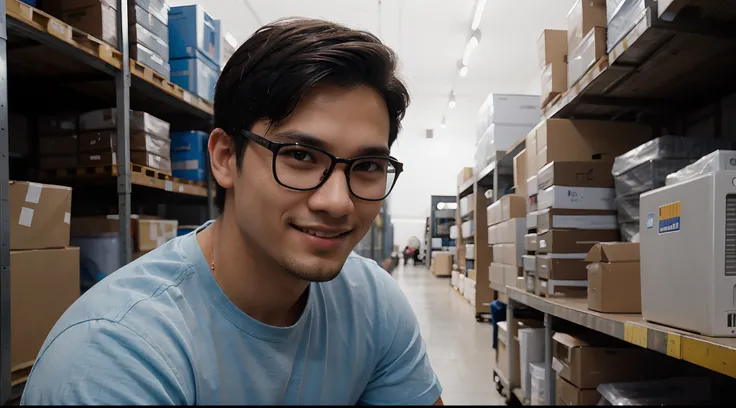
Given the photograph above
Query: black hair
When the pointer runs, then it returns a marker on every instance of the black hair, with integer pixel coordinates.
(270, 73)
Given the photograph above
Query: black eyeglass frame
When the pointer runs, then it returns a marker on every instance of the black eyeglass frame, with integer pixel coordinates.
(275, 147)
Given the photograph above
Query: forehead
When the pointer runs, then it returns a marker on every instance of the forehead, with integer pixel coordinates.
(346, 120)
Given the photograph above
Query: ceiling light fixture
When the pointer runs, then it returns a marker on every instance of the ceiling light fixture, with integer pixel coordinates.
(443, 125)
(463, 71)
(452, 100)
(471, 46)
(478, 15)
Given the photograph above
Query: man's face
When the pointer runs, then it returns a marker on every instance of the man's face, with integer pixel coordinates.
(297, 228)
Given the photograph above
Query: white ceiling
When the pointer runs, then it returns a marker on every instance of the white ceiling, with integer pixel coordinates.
(429, 37)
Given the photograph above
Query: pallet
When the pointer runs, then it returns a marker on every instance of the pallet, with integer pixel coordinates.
(98, 171)
(65, 32)
(151, 76)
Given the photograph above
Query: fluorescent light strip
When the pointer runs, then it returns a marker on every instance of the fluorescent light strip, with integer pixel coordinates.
(478, 15)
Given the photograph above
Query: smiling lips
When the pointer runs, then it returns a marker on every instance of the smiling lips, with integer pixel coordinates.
(322, 232)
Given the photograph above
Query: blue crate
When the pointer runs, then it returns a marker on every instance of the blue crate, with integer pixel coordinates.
(196, 75)
(188, 153)
(193, 33)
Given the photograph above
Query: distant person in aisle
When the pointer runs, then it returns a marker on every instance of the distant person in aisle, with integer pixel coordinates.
(267, 304)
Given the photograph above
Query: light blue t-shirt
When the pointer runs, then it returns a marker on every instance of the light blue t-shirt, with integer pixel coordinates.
(160, 331)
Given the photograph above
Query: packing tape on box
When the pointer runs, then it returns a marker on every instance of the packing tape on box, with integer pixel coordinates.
(34, 193)
(26, 217)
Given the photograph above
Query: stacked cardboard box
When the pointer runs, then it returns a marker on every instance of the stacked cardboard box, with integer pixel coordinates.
(502, 121)
(95, 17)
(552, 51)
(149, 140)
(57, 141)
(441, 263)
(506, 228)
(614, 279)
(621, 17)
(575, 211)
(44, 269)
(194, 50)
(148, 37)
(586, 41)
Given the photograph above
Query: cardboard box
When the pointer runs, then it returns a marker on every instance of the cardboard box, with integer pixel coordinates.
(508, 232)
(561, 267)
(552, 47)
(520, 174)
(507, 207)
(614, 278)
(584, 15)
(139, 121)
(57, 162)
(531, 185)
(106, 141)
(110, 158)
(557, 218)
(530, 281)
(154, 16)
(568, 394)
(553, 81)
(147, 57)
(561, 288)
(592, 173)
(502, 355)
(577, 140)
(511, 274)
(580, 60)
(531, 152)
(148, 232)
(39, 215)
(442, 263)
(57, 124)
(465, 174)
(43, 284)
(472, 274)
(586, 366)
(573, 241)
(58, 145)
(577, 198)
(139, 34)
(151, 234)
(97, 19)
(496, 273)
(531, 220)
(529, 263)
(508, 254)
(530, 242)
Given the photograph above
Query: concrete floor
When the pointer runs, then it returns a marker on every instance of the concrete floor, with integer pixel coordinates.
(459, 348)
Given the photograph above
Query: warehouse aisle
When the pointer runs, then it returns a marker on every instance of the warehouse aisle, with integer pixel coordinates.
(459, 347)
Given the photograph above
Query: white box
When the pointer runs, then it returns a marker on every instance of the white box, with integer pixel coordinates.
(467, 205)
(467, 229)
(508, 109)
(455, 279)
(529, 262)
(593, 222)
(531, 185)
(531, 350)
(531, 219)
(436, 243)
(503, 136)
(537, 383)
(461, 283)
(576, 198)
(453, 232)
(469, 251)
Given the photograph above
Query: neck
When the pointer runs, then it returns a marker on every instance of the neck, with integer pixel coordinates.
(251, 279)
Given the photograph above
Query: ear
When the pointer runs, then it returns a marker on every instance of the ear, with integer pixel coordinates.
(222, 158)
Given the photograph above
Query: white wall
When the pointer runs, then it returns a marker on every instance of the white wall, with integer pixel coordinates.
(430, 168)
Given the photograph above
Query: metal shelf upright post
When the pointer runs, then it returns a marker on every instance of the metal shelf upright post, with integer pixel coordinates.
(5, 381)
(122, 90)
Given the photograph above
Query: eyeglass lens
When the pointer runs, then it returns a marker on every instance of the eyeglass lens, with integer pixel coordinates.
(303, 168)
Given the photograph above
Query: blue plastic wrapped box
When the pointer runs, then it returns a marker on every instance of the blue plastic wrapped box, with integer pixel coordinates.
(188, 153)
(193, 33)
(196, 75)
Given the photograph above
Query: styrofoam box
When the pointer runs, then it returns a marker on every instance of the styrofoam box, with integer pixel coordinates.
(537, 383)
(531, 350)
(529, 262)
(577, 198)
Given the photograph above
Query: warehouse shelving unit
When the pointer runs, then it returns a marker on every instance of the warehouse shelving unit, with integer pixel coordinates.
(436, 217)
(677, 59)
(53, 64)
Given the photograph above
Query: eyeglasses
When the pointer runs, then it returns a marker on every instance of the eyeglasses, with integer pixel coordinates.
(300, 167)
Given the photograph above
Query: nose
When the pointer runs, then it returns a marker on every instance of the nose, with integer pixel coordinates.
(333, 197)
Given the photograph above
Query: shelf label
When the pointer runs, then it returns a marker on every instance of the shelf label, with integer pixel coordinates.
(169, 185)
(56, 27)
(673, 345)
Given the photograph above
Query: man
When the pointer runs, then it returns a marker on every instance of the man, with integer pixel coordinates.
(267, 304)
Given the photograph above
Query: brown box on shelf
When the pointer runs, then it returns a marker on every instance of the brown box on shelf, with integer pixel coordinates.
(442, 263)
(504, 359)
(520, 174)
(472, 275)
(581, 140)
(496, 273)
(508, 232)
(39, 215)
(560, 218)
(511, 274)
(57, 162)
(561, 288)
(148, 232)
(552, 47)
(139, 121)
(465, 174)
(584, 15)
(591, 173)
(43, 284)
(552, 266)
(585, 56)
(553, 81)
(586, 366)
(530, 242)
(530, 282)
(507, 207)
(58, 145)
(106, 140)
(152, 233)
(57, 124)
(531, 152)
(568, 394)
(573, 241)
(508, 254)
(141, 158)
(614, 280)
(97, 19)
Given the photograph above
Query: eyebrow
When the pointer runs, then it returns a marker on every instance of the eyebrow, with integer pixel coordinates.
(295, 136)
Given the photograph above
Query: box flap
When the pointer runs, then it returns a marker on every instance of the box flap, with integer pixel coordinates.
(569, 341)
(614, 252)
